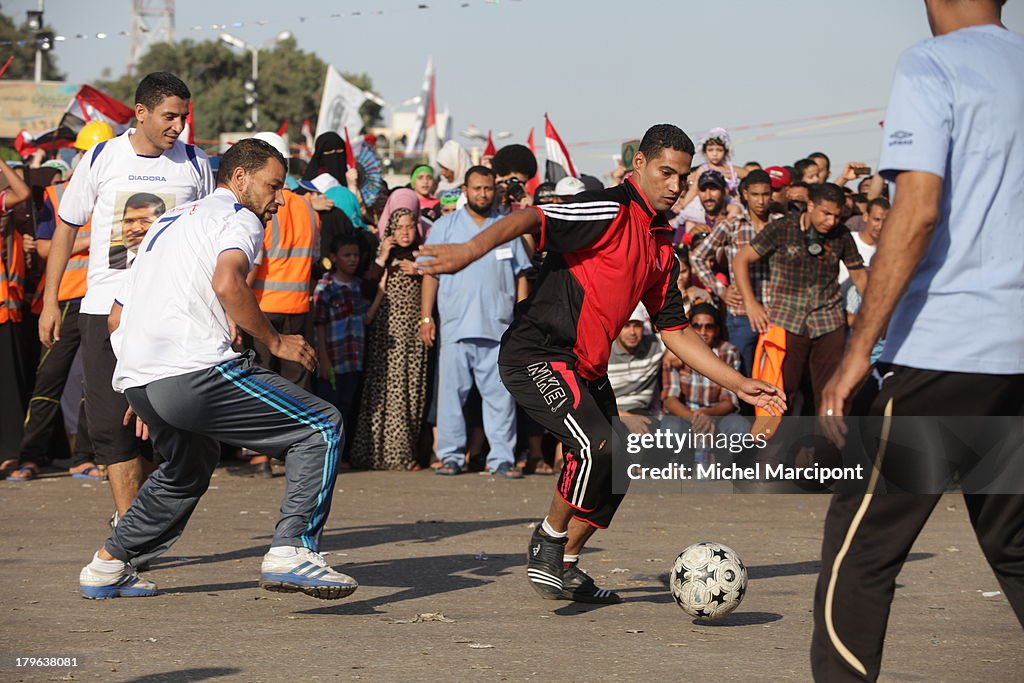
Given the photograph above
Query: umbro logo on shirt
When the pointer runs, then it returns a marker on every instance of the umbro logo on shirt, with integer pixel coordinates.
(151, 178)
(901, 137)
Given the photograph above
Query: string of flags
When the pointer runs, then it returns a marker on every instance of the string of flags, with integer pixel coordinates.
(103, 35)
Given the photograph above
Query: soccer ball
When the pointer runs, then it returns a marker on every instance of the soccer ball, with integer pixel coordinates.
(708, 580)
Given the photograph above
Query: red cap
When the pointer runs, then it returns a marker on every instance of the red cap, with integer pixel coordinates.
(780, 177)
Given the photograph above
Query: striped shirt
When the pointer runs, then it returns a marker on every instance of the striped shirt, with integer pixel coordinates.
(635, 376)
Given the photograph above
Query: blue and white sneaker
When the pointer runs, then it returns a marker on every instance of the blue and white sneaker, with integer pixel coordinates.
(305, 572)
(126, 583)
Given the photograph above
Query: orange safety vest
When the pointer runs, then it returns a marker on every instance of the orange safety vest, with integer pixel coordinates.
(290, 242)
(73, 282)
(12, 272)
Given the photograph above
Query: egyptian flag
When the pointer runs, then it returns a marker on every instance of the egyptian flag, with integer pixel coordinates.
(533, 183)
(188, 133)
(88, 104)
(558, 164)
(307, 140)
(425, 141)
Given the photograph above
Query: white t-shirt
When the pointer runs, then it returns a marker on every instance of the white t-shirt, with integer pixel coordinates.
(957, 111)
(867, 251)
(124, 192)
(172, 322)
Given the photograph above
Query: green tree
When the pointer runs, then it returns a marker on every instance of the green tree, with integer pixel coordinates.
(18, 42)
(289, 89)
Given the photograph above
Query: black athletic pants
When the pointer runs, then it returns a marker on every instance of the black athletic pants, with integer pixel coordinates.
(868, 536)
(579, 413)
(44, 415)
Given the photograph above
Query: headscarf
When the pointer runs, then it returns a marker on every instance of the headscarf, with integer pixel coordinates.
(402, 198)
(335, 164)
(400, 253)
(348, 204)
(455, 159)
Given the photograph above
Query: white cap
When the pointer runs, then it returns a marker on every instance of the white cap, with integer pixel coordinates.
(324, 182)
(569, 186)
(275, 141)
(640, 314)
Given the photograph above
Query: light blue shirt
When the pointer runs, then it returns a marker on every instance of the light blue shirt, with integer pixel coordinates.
(957, 111)
(478, 301)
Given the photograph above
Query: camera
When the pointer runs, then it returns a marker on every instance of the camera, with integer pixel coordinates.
(514, 189)
(815, 241)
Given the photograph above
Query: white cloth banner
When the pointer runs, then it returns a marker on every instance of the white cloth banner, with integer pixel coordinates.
(339, 106)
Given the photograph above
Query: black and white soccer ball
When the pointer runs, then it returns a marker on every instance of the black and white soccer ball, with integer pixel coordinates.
(708, 580)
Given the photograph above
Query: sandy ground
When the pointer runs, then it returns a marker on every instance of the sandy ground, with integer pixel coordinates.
(421, 545)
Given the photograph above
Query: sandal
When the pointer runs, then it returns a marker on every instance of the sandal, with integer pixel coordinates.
(87, 470)
(26, 472)
(449, 469)
(8, 466)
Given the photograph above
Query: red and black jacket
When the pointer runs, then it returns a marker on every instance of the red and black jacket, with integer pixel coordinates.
(606, 252)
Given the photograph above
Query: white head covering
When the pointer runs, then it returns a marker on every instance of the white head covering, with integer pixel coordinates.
(275, 141)
(718, 134)
(453, 157)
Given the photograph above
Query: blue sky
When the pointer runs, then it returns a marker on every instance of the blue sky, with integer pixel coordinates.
(604, 70)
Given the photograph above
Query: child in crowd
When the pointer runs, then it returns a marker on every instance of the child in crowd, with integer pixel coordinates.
(343, 306)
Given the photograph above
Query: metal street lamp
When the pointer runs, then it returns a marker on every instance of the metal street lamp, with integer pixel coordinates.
(252, 85)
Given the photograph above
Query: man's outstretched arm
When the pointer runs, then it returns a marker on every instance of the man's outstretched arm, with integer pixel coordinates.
(451, 258)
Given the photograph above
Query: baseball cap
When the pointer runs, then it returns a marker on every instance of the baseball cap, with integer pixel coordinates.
(275, 141)
(569, 187)
(640, 313)
(780, 177)
(711, 178)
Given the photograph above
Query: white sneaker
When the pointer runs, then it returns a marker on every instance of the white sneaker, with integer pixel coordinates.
(305, 572)
(126, 583)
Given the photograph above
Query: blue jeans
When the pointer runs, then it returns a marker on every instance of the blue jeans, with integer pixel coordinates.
(743, 338)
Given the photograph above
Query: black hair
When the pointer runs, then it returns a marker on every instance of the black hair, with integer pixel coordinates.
(879, 201)
(478, 170)
(683, 253)
(514, 159)
(821, 155)
(704, 308)
(800, 183)
(756, 177)
(847, 190)
(157, 86)
(754, 163)
(714, 141)
(143, 200)
(543, 190)
(250, 154)
(827, 192)
(665, 136)
(343, 240)
(801, 166)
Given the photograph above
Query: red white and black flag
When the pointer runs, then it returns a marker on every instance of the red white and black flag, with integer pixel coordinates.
(425, 140)
(558, 164)
(88, 105)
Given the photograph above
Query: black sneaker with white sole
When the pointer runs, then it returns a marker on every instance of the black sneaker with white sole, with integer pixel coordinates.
(544, 564)
(579, 587)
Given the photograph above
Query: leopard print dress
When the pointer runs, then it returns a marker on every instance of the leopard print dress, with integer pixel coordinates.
(395, 383)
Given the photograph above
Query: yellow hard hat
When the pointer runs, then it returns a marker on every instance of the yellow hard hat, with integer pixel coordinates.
(92, 134)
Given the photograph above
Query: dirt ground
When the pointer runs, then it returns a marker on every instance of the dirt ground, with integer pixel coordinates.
(427, 545)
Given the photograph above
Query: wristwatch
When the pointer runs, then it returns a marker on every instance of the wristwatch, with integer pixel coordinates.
(426, 321)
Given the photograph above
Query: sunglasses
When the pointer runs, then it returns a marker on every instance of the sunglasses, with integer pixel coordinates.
(704, 326)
